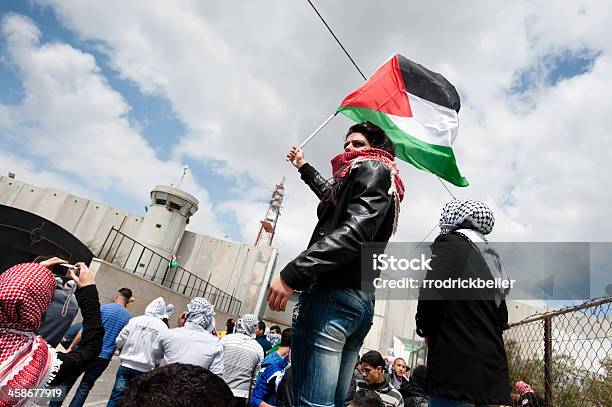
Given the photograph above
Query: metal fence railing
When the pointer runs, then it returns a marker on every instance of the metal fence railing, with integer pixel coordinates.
(127, 253)
(565, 355)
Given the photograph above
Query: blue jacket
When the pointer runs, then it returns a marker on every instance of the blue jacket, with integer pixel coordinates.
(265, 389)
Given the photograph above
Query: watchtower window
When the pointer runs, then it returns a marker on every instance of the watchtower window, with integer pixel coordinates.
(175, 206)
(160, 201)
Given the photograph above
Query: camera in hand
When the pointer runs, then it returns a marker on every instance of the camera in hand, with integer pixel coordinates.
(62, 270)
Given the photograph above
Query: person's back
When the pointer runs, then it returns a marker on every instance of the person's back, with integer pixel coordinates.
(466, 359)
(137, 338)
(60, 314)
(193, 343)
(242, 357)
(136, 342)
(184, 345)
(114, 318)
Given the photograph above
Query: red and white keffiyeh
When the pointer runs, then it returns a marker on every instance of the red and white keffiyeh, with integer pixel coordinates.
(344, 162)
(26, 290)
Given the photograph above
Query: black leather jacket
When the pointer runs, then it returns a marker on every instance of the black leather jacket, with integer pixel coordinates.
(363, 213)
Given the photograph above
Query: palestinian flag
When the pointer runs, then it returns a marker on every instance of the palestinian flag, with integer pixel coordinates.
(417, 108)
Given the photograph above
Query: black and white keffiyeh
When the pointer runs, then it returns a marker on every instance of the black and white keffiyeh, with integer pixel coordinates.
(466, 214)
(247, 324)
(200, 313)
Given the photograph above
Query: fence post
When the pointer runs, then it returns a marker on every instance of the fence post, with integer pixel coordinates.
(548, 362)
(105, 240)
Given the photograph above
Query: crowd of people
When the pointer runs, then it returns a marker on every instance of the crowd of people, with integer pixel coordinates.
(315, 362)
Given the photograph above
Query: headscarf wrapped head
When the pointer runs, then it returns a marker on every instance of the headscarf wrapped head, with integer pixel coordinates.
(466, 214)
(156, 308)
(26, 290)
(200, 313)
(169, 310)
(522, 387)
(247, 324)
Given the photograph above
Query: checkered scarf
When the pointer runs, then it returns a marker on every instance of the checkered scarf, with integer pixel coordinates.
(247, 324)
(466, 214)
(344, 162)
(200, 313)
(26, 290)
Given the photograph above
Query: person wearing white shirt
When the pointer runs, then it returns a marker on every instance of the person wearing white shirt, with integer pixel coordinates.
(136, 341)
(193, 343)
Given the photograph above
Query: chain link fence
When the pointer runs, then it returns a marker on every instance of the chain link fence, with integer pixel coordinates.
(565, 355)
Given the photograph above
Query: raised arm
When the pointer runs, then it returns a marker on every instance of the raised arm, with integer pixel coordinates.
(308, 173)
(92, 334)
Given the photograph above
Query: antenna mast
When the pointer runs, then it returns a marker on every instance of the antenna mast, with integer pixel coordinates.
(268, 224)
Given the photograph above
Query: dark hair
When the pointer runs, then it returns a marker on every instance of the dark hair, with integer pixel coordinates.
(373, 358)
(230, 325)
(366, 398)
(275, 328)
(286, 337)
(375, 136)
(126, 293)
(403, 360)
(179, 385)
(261, 325)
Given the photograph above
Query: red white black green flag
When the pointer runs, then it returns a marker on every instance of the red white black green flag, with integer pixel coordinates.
(417, 108)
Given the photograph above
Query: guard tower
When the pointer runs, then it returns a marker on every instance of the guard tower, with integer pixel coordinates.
(168, 215)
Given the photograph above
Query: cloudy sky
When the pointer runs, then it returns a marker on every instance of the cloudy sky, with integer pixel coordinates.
(108, 98)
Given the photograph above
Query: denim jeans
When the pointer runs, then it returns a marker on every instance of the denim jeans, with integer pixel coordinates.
(329, 326)
(92, 373)
(436, 401)
(124, 375)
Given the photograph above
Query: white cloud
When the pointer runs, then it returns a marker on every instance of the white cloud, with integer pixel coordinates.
(74, 120)
(250, 79)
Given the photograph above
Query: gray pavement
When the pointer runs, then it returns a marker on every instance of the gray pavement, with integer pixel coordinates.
(98, 396)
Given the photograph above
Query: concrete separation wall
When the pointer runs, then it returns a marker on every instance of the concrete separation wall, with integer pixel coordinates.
(110, 278)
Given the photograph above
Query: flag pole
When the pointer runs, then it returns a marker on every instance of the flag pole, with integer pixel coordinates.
(314, 133)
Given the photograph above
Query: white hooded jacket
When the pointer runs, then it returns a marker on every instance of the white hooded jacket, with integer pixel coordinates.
(137, 338)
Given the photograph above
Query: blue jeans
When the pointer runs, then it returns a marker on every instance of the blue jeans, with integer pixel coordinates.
(124, 375)
(92, 373)
(436, 401)
(329, 326)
